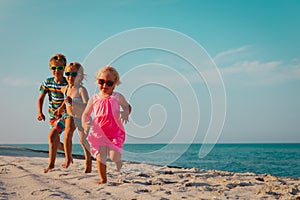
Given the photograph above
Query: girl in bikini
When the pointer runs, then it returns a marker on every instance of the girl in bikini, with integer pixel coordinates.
(76, 98)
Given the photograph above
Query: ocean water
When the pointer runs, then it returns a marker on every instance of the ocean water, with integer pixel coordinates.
(275, 159)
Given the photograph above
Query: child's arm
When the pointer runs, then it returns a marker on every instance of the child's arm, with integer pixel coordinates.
(62, 107)
(40, 103)
(84, 96)
(86, 116)
(126, 109)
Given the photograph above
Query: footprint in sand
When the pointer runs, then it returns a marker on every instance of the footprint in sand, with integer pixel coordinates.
(64, 174)
(40, 192)
(142, 191)
(4, 171)
(49, 192)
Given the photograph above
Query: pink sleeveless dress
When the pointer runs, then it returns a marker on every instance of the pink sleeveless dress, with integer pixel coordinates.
(107, 128)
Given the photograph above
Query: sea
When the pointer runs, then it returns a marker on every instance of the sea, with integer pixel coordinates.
(279, 159)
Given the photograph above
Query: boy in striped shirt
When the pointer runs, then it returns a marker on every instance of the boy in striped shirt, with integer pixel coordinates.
(52, 87)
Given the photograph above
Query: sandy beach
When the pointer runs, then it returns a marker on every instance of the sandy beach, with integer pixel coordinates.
(22, 177)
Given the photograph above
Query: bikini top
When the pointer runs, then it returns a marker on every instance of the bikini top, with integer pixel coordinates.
(75, 99)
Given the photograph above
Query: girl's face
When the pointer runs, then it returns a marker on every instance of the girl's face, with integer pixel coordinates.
(106, 82)
(71, 75)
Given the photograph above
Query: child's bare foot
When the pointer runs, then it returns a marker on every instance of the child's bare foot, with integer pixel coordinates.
(88, 170)
(101, 182)
(48, 168)
(67, 163)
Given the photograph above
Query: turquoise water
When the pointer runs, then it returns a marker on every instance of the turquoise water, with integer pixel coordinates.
(275, 159)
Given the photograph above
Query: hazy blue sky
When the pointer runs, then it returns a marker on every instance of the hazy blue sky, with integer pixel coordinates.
(255, 45)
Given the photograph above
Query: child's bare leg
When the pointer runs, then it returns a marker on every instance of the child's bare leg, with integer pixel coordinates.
(102, 172)
(88, 160)
(61, 146)
(101, 165)
(115, 156)
(68, 135)
(119, 165)
(53, 139)
(85, 146)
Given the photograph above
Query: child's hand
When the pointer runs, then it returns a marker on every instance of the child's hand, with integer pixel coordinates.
(41, 117)
(58, 111)
(86, 126)
(124, 116)
(68, 101)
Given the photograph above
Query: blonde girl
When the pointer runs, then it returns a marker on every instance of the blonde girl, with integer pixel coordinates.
(107, 135)
(76, 98)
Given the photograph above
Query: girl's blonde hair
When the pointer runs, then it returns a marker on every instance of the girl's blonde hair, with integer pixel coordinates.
(111, 70)
(79, 68)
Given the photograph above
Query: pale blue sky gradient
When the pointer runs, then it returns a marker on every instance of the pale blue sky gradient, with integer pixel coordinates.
(255, 44)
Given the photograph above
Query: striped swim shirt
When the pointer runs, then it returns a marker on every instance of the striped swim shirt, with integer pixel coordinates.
(56, 97)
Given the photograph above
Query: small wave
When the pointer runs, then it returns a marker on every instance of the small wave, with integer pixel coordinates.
(27, 152)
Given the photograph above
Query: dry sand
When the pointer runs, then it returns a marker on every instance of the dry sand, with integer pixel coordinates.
(23, 178)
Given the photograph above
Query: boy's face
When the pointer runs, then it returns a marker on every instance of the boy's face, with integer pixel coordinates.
(57, 69)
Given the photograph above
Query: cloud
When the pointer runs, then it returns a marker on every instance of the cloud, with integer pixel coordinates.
(246, 71)
(18, 82)
(251, 67)
(237, 67)
(232, 54)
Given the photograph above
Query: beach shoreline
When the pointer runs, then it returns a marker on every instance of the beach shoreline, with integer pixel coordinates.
(22, 177)
(275, 159)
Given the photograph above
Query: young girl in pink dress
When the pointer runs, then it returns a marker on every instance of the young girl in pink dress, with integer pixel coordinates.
(107, 135)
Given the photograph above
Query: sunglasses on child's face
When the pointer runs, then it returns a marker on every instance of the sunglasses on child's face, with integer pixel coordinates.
(73, 74)
(57, 68)
(108, 83)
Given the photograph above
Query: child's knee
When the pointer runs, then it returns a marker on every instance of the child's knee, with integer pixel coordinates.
(53, 135)
(101, 158)
(69, 131)
(115, 158)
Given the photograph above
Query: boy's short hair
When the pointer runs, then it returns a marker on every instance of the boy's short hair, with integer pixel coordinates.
(58, 59)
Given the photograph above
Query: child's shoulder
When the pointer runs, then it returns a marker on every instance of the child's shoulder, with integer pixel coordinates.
(117, 94)
(95, 96)
(82, 88)
(64, 88)
(49, 79)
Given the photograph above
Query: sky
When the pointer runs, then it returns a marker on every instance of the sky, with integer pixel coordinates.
(194, 71)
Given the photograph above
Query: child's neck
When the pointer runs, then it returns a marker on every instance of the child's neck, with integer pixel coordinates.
(74, 86)
(58, 79)
(105, 95)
